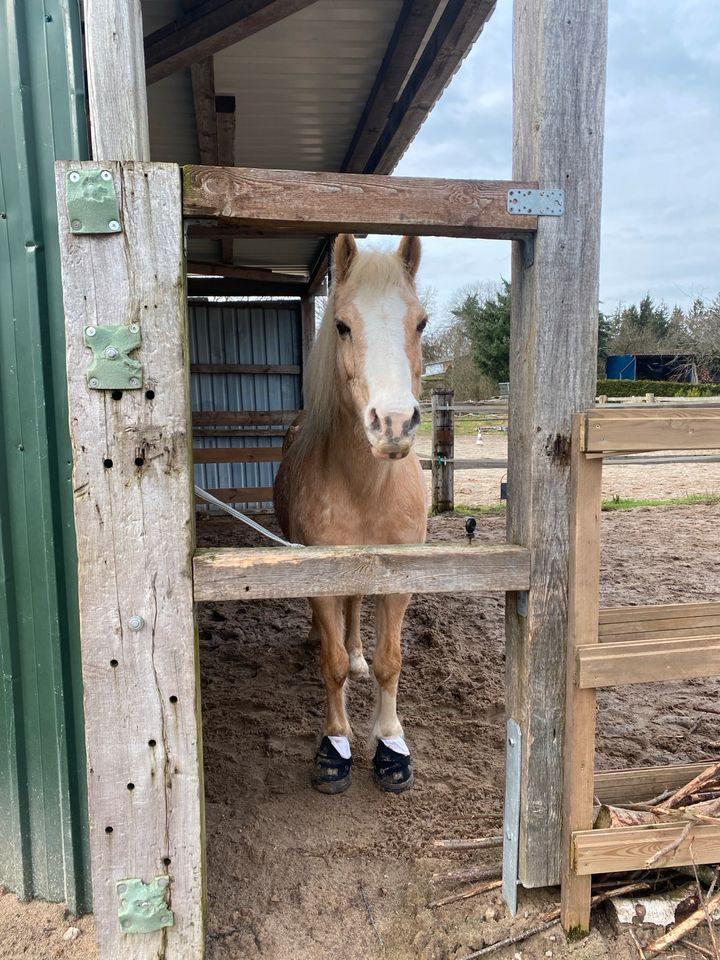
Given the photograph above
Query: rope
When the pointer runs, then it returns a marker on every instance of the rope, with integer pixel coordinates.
(209, 498)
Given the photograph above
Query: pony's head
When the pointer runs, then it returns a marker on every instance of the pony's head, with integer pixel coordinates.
(374, 325)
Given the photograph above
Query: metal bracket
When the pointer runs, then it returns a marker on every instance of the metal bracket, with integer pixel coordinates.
(144, 906)
(511, 818)
(542, 203)
(521, 603)
(111, 368)
(92, 205)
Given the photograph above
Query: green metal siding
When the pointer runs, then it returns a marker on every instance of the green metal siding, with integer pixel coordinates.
(43, 818)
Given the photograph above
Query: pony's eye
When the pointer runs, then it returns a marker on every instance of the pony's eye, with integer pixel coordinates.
(342, 328)
(421, 326)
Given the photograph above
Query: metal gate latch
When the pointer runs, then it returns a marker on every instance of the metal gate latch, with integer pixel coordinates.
(92, 205)
(111, 368)
(144, 906)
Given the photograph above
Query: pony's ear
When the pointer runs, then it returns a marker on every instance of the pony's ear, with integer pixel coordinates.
(345, 250)
(409, 252)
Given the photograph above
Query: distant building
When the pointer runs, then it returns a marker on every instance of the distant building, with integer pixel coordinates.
(681, 368)
(437, 368)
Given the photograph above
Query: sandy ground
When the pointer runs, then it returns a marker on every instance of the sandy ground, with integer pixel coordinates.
(294, 875)
(657, 481)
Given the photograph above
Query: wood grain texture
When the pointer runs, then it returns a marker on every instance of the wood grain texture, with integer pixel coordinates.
(644, 783)
(647, 661)
(672, 428)
(243, 417)
(664, 621)
(580, 706)
(443, 449)
(135, 544)
(251, 574)
(241, 494)
(116, 80)
(559, 91)
(629, 848)
(237, 454)
(208, 28)
(202, 76)
(352, 203)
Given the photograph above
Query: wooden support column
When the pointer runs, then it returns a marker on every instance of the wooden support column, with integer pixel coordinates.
(117, 94)
(559, 91)
(132, 482)
(307, 307)
(443, 449)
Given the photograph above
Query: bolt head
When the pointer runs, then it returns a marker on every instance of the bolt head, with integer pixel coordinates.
(106, 175)
(74, 176)
(112, 353)
(134, 382)
(90, 331)
(93, 381)
(136, 622)
(114, 225)
(76, 224)
(134, 328)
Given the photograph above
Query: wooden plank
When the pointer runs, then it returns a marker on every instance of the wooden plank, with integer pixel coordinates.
(225, 120)
(580, 706)
(644, 783)
(275, 369)
(237, 454)
(232, 272)
(647, 661)
(698, 627)
(225, 287)
(216, 418)
(644, 430)
(240, 494)
(202, 75)
(208, 28)
(308, 326)
(256, 573)
(443, 449)
(117, 97)
(656, 613)
(458, 27)
(353, 203)
(142, 723)
(224, 231)
(629, 848)
(559, 63)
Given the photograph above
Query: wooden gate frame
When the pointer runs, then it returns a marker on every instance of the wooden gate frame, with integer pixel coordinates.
(132, 454)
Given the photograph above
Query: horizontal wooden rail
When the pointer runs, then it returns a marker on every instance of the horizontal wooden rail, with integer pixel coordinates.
(647, 661)
(242, 418)
(489, 463)
(664, 621)
(641, 430)
(257, 573)
(272, 368)
(329, 203)
(240, 495)
(643, 783)
(629, 848)
(237, 454)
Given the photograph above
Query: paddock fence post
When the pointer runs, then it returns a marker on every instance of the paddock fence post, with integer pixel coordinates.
(443, 447)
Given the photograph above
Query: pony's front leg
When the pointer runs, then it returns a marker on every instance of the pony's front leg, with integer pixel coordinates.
(392, 763)
(353, 639)
(333, 761)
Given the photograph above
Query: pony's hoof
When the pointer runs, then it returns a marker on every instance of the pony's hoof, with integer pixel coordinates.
(392, 771)
(358, 667)
(332, 772)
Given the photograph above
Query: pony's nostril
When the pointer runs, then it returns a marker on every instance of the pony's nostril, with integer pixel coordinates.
(373, 420)
(415, 419)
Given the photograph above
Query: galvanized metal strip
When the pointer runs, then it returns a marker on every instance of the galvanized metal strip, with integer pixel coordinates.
(511, 820)
(92, 204)
(542, 203)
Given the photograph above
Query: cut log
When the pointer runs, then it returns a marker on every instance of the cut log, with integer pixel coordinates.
(610, 816)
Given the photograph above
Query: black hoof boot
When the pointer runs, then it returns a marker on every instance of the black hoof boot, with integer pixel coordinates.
(392, 771)
(331, 773)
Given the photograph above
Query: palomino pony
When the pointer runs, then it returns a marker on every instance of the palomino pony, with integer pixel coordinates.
(349, 477)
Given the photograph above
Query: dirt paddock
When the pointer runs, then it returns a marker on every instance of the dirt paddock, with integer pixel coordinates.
(294, 875)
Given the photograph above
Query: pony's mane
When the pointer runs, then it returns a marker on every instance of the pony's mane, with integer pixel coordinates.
(374, 270)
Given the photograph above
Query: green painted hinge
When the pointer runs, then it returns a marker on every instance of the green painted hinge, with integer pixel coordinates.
(144, 906)
(111, 368)
(91, 201)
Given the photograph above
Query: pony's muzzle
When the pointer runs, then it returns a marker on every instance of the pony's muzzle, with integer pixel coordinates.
(391, 432)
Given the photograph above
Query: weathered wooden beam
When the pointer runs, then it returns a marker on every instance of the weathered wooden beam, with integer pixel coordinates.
(231, 272)
(256, 573)
(450, 42)
(224, 231)
(559, 64)
(237, 454)
(443, 448)
(629, 848)
(203, 87)
(225, 117)
(670, 428)
(215, 418)
(644, 783)
(308, 326)
(415, 18)
(647, 661)
(117, 95)
(353, 203)
(234, 287)
(276, 369)
(208, 28)
(663, 621)
(240, 495)
(133, 515)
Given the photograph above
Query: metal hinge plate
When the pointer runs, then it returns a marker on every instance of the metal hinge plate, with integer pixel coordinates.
(144, 906)
(92, 205)
(542, 203)
(511, 817)
(111, 368)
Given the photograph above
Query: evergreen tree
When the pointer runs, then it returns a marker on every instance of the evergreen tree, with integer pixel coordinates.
(488, 326)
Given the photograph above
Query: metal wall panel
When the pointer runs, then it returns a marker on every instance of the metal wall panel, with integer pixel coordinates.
(244, 333)
(43, 818)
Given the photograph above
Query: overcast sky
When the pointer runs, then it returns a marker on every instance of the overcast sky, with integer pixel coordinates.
(661, 191)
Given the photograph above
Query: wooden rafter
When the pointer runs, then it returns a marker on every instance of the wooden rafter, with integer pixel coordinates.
(203, 87)
(225, 117)
(224, 287)
(203, 269)
(208, 28)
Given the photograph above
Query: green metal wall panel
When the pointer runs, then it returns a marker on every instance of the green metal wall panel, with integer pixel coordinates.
(43, 819)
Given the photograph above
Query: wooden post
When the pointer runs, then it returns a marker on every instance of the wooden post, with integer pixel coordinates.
(559, 80)
(117, 95)
(132, 482)
(307, 307)
(443, 447)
